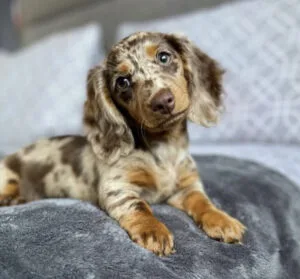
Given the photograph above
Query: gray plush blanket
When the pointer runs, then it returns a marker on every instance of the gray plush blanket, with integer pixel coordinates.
(71, 239)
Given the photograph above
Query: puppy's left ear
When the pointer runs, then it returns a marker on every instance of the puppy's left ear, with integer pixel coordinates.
(204, 79)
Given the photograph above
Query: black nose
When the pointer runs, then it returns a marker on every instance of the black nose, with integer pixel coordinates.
(163, 102)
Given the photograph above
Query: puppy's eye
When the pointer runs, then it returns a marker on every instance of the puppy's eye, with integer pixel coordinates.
(123, 83)
(163, 57)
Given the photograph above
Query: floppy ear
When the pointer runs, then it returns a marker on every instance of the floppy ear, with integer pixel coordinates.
(204, 78)
(105, 127)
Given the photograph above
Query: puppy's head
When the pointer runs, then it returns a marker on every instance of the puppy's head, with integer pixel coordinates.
(154, 80)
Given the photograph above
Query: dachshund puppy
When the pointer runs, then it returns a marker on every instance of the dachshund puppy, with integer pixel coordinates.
(135, 152)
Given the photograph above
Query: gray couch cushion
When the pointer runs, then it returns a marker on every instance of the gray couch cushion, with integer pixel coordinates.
(72, 239)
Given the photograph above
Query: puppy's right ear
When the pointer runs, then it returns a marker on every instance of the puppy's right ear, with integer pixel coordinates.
(105, 127)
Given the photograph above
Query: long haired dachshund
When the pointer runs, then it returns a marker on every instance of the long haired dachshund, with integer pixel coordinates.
(135, 152)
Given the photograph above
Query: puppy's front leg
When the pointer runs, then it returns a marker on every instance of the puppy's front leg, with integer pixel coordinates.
(191, 198)
(216, 223)
(135, 216)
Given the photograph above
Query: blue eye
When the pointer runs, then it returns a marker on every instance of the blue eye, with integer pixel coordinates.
(164, 57)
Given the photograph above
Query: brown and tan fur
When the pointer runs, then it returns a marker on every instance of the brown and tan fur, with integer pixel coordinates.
(135, 152)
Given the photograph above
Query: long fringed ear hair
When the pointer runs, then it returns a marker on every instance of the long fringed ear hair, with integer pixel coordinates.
(204, 78)
(105, 127)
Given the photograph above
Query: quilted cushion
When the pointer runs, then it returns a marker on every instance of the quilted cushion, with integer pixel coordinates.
(43, 87)
(257, 42)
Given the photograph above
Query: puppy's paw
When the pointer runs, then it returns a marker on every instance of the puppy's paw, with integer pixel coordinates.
(220, 226)
(9, 200)
(154, 236)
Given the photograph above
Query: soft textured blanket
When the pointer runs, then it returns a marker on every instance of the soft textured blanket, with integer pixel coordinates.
(71, 239)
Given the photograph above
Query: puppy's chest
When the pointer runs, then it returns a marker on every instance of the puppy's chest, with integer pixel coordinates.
(167, 174)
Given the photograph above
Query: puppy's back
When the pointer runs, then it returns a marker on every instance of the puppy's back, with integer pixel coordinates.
(62, 166)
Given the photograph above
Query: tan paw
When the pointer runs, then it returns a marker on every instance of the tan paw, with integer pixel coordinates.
(9, 200)
(154, 236)
(220, 226)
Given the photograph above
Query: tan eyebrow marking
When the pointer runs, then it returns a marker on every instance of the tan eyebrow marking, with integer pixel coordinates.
(151, 50)
(124, 67)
